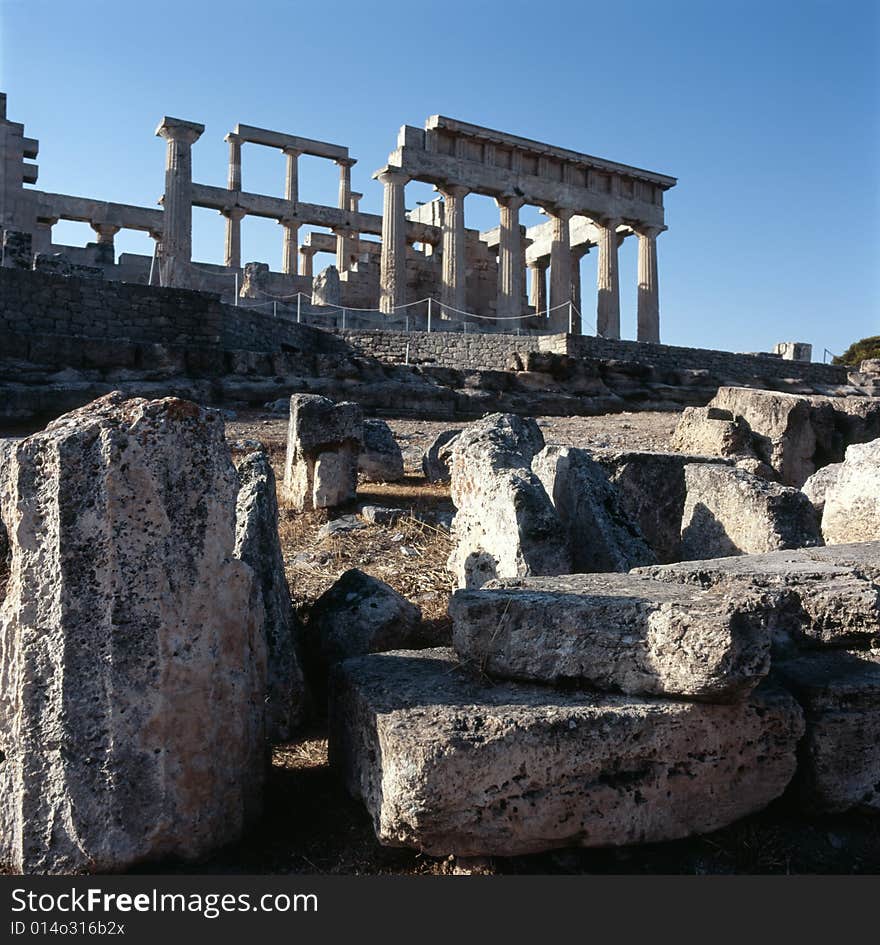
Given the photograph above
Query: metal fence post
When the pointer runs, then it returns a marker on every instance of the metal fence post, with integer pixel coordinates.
(429, 314)
(236, 288)
(298, 307)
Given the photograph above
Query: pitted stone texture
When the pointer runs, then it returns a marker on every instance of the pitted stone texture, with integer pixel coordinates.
(505, 524)
(790, 433)
(600, 535)
(819, 483)
(852, 498)
(449, 765)
(651, 490)
(133, 664)
(438, 456)
(258, 545)
(324, 440)
(615, 633)
(839, 758)
(326, 287)
(381, 459)
(359, 614)
(814, 596)
(708, 431)
(728, 511)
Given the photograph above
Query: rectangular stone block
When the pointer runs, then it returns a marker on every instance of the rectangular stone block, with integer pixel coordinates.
(615, 633)
(449, 765)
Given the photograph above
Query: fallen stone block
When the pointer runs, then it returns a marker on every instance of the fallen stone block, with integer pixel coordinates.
(651, 490)
(599, 533)
(258, 545)
(710, 431)
(851, 509)
(324, 440)
(380, 459)
(615, 633)
(132, 715)
(382, 515)
(449, 765)
(505, 524)
(839, 758)
(438, 456)
(359, 614)
(728, 511)
(814, 596)
(339, 526)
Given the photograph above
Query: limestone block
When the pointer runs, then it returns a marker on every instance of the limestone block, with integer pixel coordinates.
(651, 490)
(449, 765)
(381, 459)
(131, 649)
(852, 499)
(258, 545)
(615, 633)
(839, 758)
(814, 596)
(324, 440)
(870, 366)
(790, 432)
(438, 456)
(819, 483)
(728, 511)
(359, 614)
(708, 431)
(326, 287)
(600, 535)
(505, 524)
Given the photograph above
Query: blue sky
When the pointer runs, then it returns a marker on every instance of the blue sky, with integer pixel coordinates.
(767, 112)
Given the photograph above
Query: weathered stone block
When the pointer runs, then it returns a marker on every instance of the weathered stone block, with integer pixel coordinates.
(615, 633)
(134, 667)
(438, 456)
(709, 431)
(258, 545)
(839, 758)
(728, 511)
(814, 596)
(600, 535)
(851, 511)
(381, 459)
(505, 524)
(449, 765)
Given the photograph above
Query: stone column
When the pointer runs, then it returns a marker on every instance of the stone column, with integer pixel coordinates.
(354, 203)
(577, 254)
(343, 238)
(560, 267)
(453, 290)
(538, 291)
(308, 261)
(290, 246)
(649, 294)
(510, 258)
(232, 254)
(177, 236)
(608, 306)
(106, 252)
(393, 277)
(233, 179)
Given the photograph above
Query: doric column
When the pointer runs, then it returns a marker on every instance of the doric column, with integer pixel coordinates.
(577, 254)
(608, 306)
(291, 179)
(232, 254)
(649, 293)
(510, 258)
(354, 202)
(453, 291)
(233, 178)
(538, 290)
(177, 203)
(106, 252)
(343, 238)
(560, 266)
(290, 246)
(393, 277)
(308, 261)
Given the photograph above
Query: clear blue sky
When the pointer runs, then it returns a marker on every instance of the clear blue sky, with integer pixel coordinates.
(767, 112)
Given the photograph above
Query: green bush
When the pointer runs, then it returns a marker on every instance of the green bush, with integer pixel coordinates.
(859, 351)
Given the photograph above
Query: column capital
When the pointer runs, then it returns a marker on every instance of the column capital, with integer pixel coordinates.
(610, 223)
(650, 231)
(291, 152)
(346, 162)
(558, 211)
(176, 129)
(512, 201)
(232, 137)
(105, 231)
(233, 213)
(392, 175)
(456, 191)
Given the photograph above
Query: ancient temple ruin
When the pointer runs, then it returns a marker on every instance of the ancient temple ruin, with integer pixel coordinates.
(421, 263)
